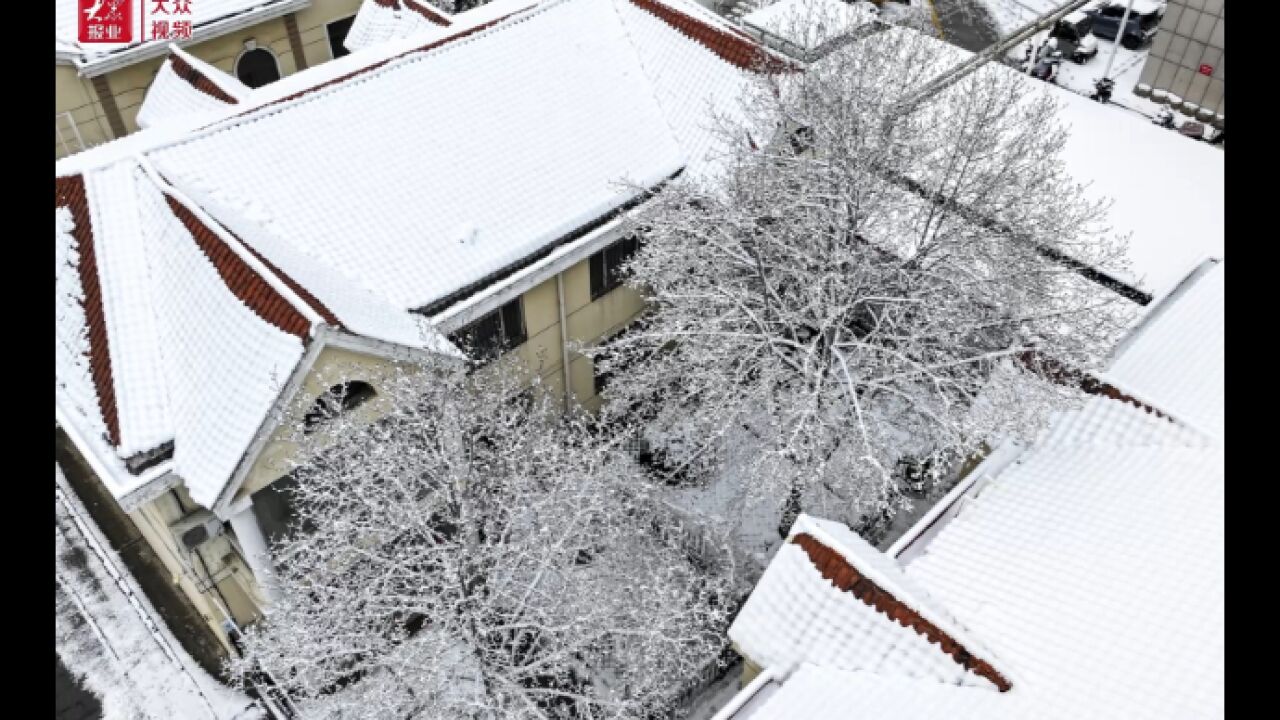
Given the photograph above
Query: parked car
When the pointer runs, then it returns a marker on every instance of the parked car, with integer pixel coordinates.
(1069, 36)
(1144, 18)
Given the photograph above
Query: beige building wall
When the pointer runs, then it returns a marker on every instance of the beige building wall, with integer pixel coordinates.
(77, 96)
(1191, 35)
(588, 322)
(540, 354)
(218, 582)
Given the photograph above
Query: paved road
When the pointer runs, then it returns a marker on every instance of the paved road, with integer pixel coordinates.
(966, 23)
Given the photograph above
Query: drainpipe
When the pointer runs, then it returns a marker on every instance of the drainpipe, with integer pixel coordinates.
(564, 341)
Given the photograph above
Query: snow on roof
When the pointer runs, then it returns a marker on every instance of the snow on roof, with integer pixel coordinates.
(828, 597)
(209, 18)
(564, 133)
(1175, 358)
(171, 330)
(810, 23)
(1092, 566)
(693, 84)
(381, 20)
(445, 155)
(1104, 596)
(1166, 192)
(186, 86)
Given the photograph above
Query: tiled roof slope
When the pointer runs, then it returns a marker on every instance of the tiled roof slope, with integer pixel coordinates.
(1093, 566)
(683, 53)
(381, 20)
(830, 598)
(444, 193)
(175, 323)
(1175, 359)
(172, 330)
(187, 86)
(1161, 246)
(83, 348)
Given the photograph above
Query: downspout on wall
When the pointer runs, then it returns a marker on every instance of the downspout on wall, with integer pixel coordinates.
(564, 343)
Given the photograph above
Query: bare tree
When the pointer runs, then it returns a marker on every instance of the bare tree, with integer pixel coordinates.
(864, 292)
(474, 555)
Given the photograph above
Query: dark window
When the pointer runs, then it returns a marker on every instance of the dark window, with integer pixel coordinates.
(338, 399)
(602, 379)
(274, 510)
(338, 30)
(494, 333)
(257, 67)
(606, 265)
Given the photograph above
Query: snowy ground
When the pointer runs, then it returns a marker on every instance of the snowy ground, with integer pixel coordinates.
(114, 643)
(1008, 15)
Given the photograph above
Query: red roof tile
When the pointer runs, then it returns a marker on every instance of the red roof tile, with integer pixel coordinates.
(199, 81)
(69, 192)
(731, 45)
(251, 288)
(846, 578)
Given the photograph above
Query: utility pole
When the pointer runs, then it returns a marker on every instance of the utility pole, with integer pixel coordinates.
(997, 49)
(1115, 47)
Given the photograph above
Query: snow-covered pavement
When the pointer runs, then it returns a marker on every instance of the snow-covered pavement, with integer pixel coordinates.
(1126, 69)
(111, 639)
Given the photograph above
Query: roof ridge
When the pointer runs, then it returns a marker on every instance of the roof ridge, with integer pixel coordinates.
(837, 568)
(735, 47)
(295, 310)
(70, 193)
(196, 73)
(422, 52)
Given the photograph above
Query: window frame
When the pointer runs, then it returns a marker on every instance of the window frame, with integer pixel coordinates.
(605, 274)
(349, 395)
(270, 53)
(505, 316)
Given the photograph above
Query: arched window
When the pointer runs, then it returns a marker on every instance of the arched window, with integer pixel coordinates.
(257, 67)
(336, 400)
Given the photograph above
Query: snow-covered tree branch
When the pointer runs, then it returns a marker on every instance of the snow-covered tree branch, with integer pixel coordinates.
(860, 286)
(474, 555)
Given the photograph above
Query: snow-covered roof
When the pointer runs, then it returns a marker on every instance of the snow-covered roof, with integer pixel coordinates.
(381, 20)
(1175, 358)
(828, 597)
(1091, 569)
(447, 191)
(186, 86)
(1166, 192)
(171, 330)
(433, 188)
(809, 24)
(209, 19)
